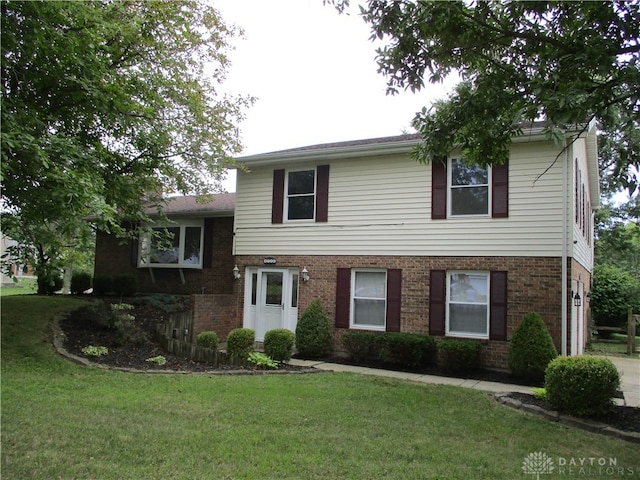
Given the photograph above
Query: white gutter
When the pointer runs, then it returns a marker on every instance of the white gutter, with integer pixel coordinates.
(565, 239)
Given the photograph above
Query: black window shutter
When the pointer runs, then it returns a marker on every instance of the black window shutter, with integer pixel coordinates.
(207, 245)
(394, 295)
(500, 190)
(437, 302)
(322, 193)
(343, 297)
(277, 203)
(498, 306)
(439, 189)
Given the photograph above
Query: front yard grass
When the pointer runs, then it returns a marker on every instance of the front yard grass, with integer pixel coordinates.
(62, 420)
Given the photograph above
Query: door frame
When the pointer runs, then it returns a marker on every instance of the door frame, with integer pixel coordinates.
(255, 293)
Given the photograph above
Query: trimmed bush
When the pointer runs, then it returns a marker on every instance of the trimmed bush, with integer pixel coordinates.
(102, 285)
(314, 335)
(80, 283)
(459, 355)
(531, 348)
(583, 386)
(49, 283)
(363, 346)
(207, 340)
(240, 343)
(408, 349)
(278, 344)
(125, 284)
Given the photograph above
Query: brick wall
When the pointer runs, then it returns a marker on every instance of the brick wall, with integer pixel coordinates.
(534, 284)
(218, 313)
(117, 256)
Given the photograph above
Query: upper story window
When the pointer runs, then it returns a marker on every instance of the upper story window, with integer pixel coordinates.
(178, 246)
(301, 195)
(469, 189)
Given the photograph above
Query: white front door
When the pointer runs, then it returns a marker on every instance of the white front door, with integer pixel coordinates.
(271, 301)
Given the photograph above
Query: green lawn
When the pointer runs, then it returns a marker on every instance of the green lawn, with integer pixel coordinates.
(616, 345)
(22, 286)
(65, 421)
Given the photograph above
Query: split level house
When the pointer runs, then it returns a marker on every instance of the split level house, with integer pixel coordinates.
(389, 244)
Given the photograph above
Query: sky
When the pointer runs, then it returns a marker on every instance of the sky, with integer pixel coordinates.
(314, 75)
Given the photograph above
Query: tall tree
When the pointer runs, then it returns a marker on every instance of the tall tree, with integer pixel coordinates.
(566, 62)
(104, 104)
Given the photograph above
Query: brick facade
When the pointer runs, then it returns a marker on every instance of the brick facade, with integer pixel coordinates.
(116, 256)
(534, 284)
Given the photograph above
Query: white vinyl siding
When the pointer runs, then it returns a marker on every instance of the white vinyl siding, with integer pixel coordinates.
(382, 206)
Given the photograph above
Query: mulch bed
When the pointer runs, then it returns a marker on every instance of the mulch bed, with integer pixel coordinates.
(80, 331)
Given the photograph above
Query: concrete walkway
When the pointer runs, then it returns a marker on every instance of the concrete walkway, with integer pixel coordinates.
(628, 368)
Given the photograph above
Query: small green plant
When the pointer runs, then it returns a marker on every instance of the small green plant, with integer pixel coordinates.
(583, 386)
(158, 360)
(80, 282)
(539, 393)
(314, 334)
(207, 340)
(260, 359)
(531, 348)
(459, 355)
(49, 283)
(95, 351)
(278, 344)
(240, 342)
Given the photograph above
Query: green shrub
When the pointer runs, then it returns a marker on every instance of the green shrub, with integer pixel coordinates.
(459, 355)
(408, 349)
(125, 284)
(102, 284)
(49, 283)
(278, 344)
(162, 301)
(240, 343)
(207, 340)
(314, 335)
(80, 282)
(531, 348)
(128, 332)
(583, 385)
(363, 346)
(614, 291)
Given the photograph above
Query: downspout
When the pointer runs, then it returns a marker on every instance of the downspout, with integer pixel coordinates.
(565, 239)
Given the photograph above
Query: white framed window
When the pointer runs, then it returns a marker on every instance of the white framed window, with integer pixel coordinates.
(468, 189)
(369, 299)
(467, 313)
(172, 246)
(300, 191)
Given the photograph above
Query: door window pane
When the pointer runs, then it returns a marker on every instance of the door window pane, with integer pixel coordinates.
(274, 288)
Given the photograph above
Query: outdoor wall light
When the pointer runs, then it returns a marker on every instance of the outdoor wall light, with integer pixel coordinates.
(305, 274)
(577, 301)
(236, 273)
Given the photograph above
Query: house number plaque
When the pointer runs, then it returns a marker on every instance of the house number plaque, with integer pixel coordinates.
(270, 261)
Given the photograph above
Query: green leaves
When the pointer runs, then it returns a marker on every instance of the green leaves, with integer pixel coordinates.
(106, 102)
(563, 62)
